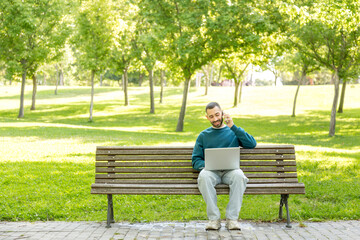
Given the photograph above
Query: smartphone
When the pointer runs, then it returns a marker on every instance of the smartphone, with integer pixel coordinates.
(223, 117)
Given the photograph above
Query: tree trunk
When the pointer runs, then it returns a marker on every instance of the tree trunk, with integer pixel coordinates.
(21, 111)
(295, 98)
(206, 86)
(33, 93)
(180, 124)
(220, 71)
(275, 79)
(56, 79)
(123, 83)
(237, 85)
(335, 102)
(301, 80)
(151, 83)
(101, 76)
(44, 79)
(141, 78)
(342, 97)
(207, 77)
(211, 75)
(240, 92)
(61, 77)
(92, 95)
(125, 87)
(162, 85)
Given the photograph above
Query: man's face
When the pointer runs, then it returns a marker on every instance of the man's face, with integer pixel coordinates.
(215, 117)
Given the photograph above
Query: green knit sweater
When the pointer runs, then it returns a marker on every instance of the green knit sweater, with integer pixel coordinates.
(219, 138)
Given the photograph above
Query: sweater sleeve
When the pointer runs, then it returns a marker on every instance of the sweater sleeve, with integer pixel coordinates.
(198, 161)
(245, 139)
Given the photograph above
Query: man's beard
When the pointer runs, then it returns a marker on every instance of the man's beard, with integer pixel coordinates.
(217, 122)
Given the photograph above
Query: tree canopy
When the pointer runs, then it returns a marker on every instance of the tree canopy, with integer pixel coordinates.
(181, 37)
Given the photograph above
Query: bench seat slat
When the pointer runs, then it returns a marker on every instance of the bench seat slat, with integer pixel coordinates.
(193, 186)
(298, 188)
(194, 191)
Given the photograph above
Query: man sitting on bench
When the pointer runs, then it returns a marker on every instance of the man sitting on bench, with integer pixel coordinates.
(221, 135)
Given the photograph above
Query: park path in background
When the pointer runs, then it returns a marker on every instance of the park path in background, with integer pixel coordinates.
(176, 230)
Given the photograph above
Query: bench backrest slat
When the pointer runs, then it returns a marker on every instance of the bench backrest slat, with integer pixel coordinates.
(187, 163)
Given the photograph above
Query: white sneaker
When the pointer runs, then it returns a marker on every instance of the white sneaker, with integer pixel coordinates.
(213, 225)
(232, 224)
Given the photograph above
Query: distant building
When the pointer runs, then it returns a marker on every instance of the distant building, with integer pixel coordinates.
(227, 83)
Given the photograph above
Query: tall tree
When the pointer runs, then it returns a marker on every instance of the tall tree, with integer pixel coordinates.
(208, 71)
(31, 32)
(194, 33)
(148, 51)
(122, 50)
(236, 65)
(353, 74)
(303, 64)
(93, 38)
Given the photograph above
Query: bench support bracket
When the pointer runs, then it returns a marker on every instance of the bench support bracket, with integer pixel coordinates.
(110, 211)
(284, 200)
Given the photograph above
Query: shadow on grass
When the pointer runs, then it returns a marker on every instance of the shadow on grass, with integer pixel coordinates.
(68, 92)
(134, 126)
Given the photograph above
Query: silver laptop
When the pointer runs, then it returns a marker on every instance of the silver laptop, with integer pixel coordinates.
(222, 158)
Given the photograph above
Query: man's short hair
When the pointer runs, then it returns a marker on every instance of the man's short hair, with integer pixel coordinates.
(211, 106)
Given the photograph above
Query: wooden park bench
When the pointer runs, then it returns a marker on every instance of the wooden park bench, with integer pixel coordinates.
(167, 170)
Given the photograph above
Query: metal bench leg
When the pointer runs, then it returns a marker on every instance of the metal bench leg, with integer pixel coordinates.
(281, 208)
(110, 211)
(284, 200)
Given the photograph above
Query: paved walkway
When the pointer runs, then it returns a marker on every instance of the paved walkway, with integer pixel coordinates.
(176, 230)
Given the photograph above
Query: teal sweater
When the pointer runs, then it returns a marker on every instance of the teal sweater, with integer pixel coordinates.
(219, 138)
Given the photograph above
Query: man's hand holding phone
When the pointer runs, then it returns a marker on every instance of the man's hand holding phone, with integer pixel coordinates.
(228, 120)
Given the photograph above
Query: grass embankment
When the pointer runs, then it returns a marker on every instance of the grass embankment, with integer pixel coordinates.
(47, 158)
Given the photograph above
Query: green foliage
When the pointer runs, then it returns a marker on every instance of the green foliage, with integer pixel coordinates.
(47, 166)
(122, 49)
(32, 33)
(93, 34)
(326, 31)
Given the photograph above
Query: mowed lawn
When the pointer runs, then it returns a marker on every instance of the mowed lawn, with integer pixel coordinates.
(47, 158)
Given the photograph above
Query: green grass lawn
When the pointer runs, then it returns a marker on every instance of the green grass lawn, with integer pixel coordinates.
(47, 158)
